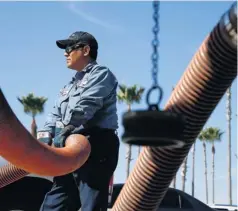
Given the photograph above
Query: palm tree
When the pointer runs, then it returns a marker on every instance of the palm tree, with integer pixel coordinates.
(215, 136)
(174, 180)
(184, 172)
(193, 167)
(129, 95)
(228, 116)
(203, 136)
(32, 106)
(138, 151)
(210, 135)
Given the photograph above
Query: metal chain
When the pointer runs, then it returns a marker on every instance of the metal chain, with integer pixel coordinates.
(155, 58)
(155, 42)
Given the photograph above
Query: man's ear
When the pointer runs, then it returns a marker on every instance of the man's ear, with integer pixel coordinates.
(86, 50)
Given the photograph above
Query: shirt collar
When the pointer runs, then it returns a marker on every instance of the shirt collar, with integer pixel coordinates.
(88, 67)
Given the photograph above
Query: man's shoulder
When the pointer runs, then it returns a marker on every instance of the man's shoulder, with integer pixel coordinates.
(102, 70)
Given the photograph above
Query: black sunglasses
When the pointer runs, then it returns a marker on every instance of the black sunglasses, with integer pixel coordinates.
(71, 48)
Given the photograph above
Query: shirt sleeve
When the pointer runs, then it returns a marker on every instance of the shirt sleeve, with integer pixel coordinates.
(51, 119)
(99, 85)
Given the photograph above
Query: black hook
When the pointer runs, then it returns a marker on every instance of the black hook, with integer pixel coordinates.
(154, 107)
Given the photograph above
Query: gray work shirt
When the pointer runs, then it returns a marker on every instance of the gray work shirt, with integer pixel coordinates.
(89, 100)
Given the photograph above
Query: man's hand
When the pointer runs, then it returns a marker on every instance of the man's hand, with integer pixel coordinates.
(44, 137)
(61, 134)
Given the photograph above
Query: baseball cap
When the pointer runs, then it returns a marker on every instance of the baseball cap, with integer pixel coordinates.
(78, 37)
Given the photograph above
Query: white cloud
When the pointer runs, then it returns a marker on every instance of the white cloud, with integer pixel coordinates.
(93, 19)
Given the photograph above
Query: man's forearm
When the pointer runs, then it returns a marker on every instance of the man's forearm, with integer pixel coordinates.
(50, 124)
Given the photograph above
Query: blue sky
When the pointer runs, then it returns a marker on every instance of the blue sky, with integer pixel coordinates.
(31, 62)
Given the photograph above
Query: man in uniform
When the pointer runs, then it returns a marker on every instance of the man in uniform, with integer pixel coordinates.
(86, 105)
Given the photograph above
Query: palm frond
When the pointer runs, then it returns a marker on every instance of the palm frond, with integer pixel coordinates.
(130, 94)
(32, 104)
(210, 135)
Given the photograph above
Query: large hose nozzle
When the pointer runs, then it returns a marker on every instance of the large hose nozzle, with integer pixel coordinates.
(228, 26)
(22, 150)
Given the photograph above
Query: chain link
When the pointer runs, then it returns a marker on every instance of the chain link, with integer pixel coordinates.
(155, 58)
(155, 42)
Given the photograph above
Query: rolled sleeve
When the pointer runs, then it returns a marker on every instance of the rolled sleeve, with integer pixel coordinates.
(99, 85)
(51, 119)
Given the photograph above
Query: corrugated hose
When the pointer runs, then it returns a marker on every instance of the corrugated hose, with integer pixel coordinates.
(207, 77)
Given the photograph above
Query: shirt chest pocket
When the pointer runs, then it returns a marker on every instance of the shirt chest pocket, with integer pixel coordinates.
(64, 94)
(63, 99)
(80, 86)
(77, 92)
